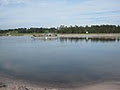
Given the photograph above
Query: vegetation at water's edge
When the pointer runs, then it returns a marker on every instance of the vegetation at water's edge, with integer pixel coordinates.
(65, 30)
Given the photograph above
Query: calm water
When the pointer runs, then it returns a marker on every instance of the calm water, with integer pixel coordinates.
(60, 61)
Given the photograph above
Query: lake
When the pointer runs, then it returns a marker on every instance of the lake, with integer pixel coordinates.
(60, 61)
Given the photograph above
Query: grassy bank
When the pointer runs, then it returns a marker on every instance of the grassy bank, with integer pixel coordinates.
(19, 34)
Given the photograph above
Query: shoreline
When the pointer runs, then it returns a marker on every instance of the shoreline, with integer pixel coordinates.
(82, 34)
(10, 83)
(89, 35)
(77, 36)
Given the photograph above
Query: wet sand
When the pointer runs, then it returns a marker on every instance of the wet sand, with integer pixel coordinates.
(12, 84)
(103, 86)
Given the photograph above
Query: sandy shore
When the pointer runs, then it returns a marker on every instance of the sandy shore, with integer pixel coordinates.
(12, 84)
(89, 35)
(103, 86)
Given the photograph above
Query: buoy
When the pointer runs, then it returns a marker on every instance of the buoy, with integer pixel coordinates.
(45, 37)
(86, 38)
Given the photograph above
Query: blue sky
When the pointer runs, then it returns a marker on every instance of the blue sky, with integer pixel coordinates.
(53, 13)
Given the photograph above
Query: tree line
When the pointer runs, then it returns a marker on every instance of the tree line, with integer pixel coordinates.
(69, 30)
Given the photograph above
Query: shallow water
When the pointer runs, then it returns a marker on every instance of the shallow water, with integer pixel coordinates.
(61, 60)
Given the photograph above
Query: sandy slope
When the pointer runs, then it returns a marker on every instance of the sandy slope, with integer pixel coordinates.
(103, 86)
(13, 84)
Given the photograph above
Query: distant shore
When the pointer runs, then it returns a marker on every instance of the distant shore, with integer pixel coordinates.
(67, 35)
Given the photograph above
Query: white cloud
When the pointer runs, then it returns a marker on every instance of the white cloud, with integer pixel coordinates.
(56, 12)
(8, 2)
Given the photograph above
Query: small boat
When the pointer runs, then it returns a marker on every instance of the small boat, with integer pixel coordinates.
(45, 36)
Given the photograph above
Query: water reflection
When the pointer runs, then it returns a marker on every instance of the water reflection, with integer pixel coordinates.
(91, 39)
(45, 39)
(79, 39)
